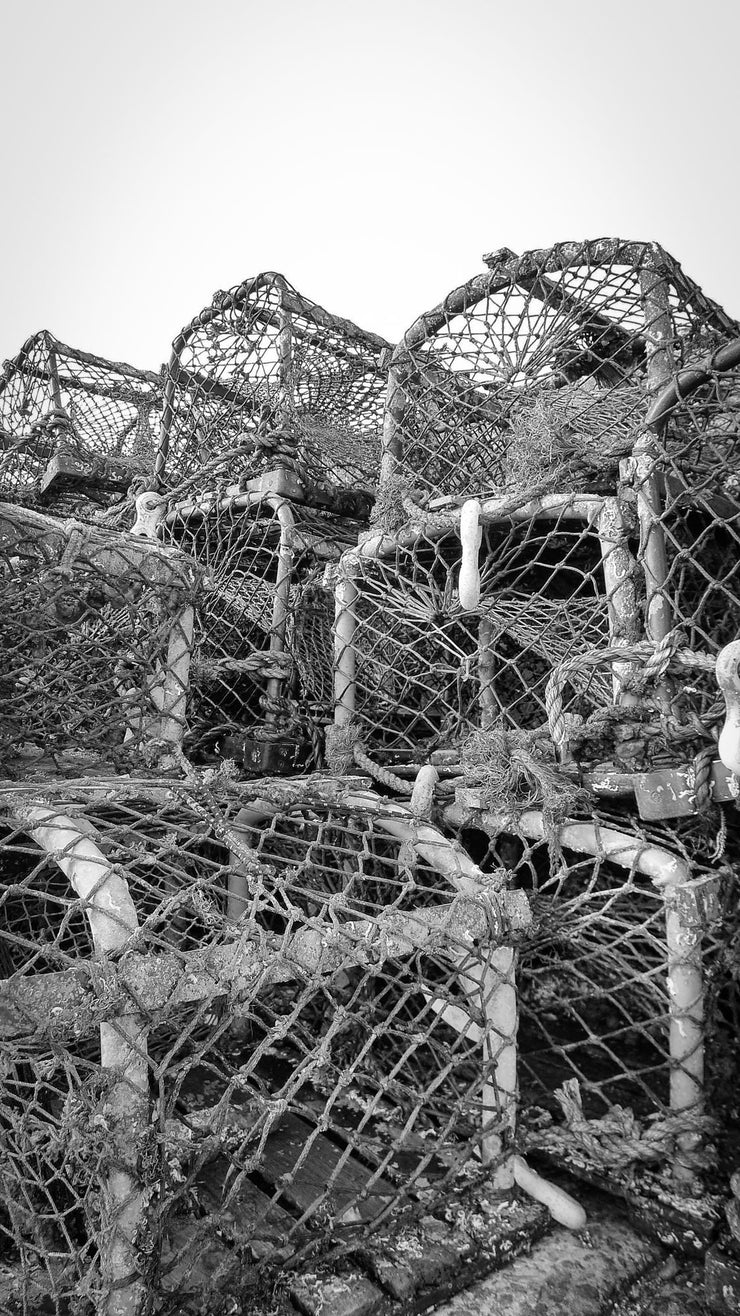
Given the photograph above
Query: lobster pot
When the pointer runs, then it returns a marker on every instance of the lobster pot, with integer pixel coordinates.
(417, 672)
(540, 366)
(232, 1032)
(96, 634)
(71, 421)
(269, 374)
(262, 669)
(627, 1002)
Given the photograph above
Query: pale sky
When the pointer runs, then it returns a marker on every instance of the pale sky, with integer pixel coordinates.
(371, 152)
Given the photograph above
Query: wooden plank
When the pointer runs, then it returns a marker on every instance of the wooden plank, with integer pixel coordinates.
(438, 1258)
(326, 1176)
(75, 1001)
(349, 1294)
(244, 1213)
(422, 1264)
(416, 1258)
(191, 1256)
(109, 553)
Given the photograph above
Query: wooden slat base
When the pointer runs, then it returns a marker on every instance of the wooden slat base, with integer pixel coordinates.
(326, 1176)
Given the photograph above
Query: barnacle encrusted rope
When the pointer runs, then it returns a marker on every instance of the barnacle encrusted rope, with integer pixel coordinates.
(618, 1140)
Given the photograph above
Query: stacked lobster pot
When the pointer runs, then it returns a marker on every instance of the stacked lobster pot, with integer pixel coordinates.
(75, 429)
(230, 1008)
(261, 1023)
(532, 628)
(265, 472)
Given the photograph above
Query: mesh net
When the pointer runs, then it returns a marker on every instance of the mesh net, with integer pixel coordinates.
(599, 985)
(96, 638)
(71, 421)
(689, 498)
(261, 676)
(418, 672)
(256, 1070)
(268, 377)
(247, 1023)
(538, 368)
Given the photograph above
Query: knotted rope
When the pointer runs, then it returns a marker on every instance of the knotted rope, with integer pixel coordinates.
(669, 653)
(344, 749)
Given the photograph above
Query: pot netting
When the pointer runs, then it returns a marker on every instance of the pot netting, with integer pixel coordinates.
(96, 634)
(681, 482)
(598, 1011)
(692, 464)
(418, 672)
(538, 371)
(263, 649)
(101, 416)
(266, 377)
(257, 1069)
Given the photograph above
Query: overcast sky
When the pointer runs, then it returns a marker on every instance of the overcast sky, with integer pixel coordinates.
(154, 152)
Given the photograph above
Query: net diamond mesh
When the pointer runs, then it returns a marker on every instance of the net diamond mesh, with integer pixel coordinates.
(597, 984)
(417, 672)
(96, 638)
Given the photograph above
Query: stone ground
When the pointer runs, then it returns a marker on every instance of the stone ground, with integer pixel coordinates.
(608, 1269)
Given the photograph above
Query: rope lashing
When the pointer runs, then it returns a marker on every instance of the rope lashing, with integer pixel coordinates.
(618, 1140)
(657, 660)
(344, 750)
(702, 767)
(380, 774)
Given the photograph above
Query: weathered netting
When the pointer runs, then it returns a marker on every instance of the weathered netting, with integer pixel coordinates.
(263, 650)
(267, 378)
(687, 480)
(417, 672)
(682, 480)
(71, 421)
(626, 1025)
(537, 372)
(225, 1039)
(96, 637)
(249, 1024)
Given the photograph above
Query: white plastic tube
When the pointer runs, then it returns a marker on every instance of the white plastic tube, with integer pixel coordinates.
(112, 917)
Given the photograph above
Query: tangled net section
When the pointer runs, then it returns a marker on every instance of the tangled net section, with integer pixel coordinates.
(97, 631)
(264, 378)
(538, 370)
(232, 1037)
(74, 424)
